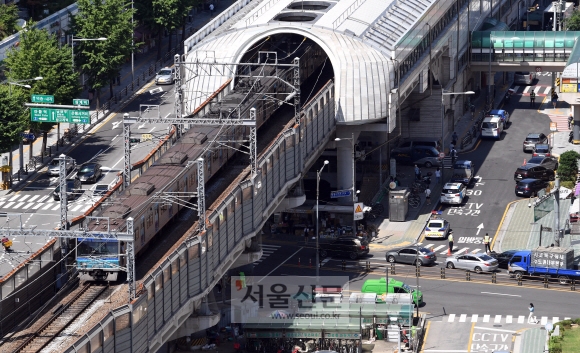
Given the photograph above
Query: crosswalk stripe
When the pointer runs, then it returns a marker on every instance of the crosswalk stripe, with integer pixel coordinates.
(497, 319)
(76, 208)
(537, 90)
(475, 251)
(547, 90)
(474, 317)
(325, 261)
(24, 197)
(544, 320)
(508, 319)
(486, 318)
(451, 318)
(429, 246)
(33, 198)
(28, 205)
(439, 247)
(47, 206)
(521, 319)
(567, 318)
(527, 89)
(37, 206)
(56, 207)
(14, 198)
(555, 319)
(462, 250)
(9, 204)
(42, 198)
(18, 205)
(1, 203)
(462, 318)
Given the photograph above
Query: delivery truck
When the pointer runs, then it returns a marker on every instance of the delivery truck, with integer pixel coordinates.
(551, 261)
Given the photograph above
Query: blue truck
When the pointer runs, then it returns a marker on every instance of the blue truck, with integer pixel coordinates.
(551, 261)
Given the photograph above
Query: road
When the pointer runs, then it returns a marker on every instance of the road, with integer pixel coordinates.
(34, 206)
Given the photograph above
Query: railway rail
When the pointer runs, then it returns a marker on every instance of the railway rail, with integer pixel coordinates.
(63, 316)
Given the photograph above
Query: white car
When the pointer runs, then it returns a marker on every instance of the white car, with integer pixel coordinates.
(165, 76)
(54, 166)
(492, 127)
(437, 228)
(453, 193)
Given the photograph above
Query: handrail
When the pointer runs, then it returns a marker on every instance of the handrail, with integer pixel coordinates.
(260, 11)
(344, 15)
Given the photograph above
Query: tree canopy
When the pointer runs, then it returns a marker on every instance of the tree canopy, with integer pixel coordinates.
(14, 118)
(8, 18)
(573, 22)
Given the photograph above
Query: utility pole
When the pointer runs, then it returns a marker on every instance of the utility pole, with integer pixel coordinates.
(63, 208)
(557, 212)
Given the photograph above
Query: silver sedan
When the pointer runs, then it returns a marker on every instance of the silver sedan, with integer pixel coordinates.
(473, 262)
(414, 255)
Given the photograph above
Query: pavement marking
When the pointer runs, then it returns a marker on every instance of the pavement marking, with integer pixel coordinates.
(24, 197)
(33, 198)
(521, 319)
(18, 205)
(547, 90)
(9, 204)
(474, 317)
(470, 337)
(509, 295)
(451, 318)
(475, 251)
(501, 223)
(497, 319)
(14, 198)
(426, 333)
(56, 207)
(493, 329)
(37, 206)
(486, 318)
(462, 317)
(555, 319)
(42, 198)
(508, 319)
(76, 208)
(150, 131)
(288, 258)
(462, 250)
(526, 89)
(47, 206)
(1, 203)
(544, 320)
(113, 139)
(324, 262)
(27, 206)
(438, 248)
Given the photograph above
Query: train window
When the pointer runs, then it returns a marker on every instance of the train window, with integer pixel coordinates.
(182, 259)
(174, 266)
(122, 322)
(193, 251)
(20, 277)
(139, 312)
(158, 283)
(84, 348)
(166, 274)
(33, 267)
(7, 287)
(107, 331)
(151, 291)
(96, 341)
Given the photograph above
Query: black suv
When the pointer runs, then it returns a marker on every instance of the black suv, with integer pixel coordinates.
(534, 171)
(345, 246)
(548, 162)
(533, 139)
(530, 187)
(74, 189)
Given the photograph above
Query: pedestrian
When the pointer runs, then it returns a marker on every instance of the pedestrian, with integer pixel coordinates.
(454, 138)
(532, 97)
(428, 195)
(554, 99)
(453, 154)
(486, 243)
(438, 175)
(6, 243)
(450, 239)
(211, 8)
(570, 122)
(451, 146)
(417, 173)
(306, 235)
(532, 316)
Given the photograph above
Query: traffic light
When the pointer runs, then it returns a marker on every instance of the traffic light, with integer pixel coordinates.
(557, 81)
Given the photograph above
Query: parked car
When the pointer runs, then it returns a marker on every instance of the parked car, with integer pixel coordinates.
(530, 187)
(74, 189)
(453, 193)
(463, 172)
(533, 139)
(54, 166)
(414, 255)
(492, 127)
(523, 78)
(437, 228)
(503, 258)
(100, 189)
(413, 142)
(478, 263)
(534, 171)
(165, 76)
(345, 246)
(502, 114)
(542, 150)
(90, 172)
(548, 162)
(421, 155)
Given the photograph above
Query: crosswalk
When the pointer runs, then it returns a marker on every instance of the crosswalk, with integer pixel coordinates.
(456, 249)
(497, 319)
(40, 203)
(561, 121)
(540, 90)
(267, 250)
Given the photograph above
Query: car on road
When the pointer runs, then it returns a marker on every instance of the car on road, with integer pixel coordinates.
(54, 166)
(350, 247)
(502, 114)
(89, 172)
(532, 139)
(100, 189)
(425, 156)
(542, 150)
(480, 262)
(523, 78)
(530, 187)
(437, 228)
(165, 76)
(503, 258)
(74, 189)
(414, 255)
(492, 127)
(548, 162)
(534, 171)
(453, 193)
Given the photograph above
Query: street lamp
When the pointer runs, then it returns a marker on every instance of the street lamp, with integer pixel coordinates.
(445, 93)
(17, 83)
(353, 177)
(317, 195)
(72, 44)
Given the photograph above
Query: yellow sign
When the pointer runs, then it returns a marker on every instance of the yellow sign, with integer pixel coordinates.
(146, 137)
(569, 88)
(358, 211)
(5, 169)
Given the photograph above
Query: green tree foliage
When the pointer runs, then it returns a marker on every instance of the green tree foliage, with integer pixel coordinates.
(573, 22)
(39, 55)
(102, 60)
(13, 116)
(8, 17)
(568, 166)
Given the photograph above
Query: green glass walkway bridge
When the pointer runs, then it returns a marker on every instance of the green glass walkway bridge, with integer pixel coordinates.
(524, 50)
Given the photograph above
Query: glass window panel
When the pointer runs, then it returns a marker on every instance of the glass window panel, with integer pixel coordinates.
(33, 267)
(193, 251)
(174, 266)
(20, 277)
(83, 349)
(151, 291)
(158, 283)
(166, 274)
(122, 322)
(182, 259)
(46, 258)
(7, 287)
(139, 312)
(107, 331)
(96, 342)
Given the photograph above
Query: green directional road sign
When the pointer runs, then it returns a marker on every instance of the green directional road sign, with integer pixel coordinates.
(42, 98)
(81, 102)
(60, 115)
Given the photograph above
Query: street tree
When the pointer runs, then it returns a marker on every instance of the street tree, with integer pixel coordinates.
(13, 117)
(101, 61)
(8, 18)
(573, 22)
(39, 55)
(568, 168)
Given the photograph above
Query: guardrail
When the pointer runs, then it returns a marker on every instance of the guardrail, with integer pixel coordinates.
(344, 15)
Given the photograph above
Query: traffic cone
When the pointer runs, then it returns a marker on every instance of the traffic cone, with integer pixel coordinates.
(448, 251)
(525, 161)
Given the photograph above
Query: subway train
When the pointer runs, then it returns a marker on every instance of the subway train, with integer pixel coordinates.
(99, 259)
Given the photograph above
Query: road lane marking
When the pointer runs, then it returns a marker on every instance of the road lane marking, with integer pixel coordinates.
(493, 329)
(508, 295)
(33, 198)
(485, 318)
(474, 317)
(497, 319)
(470, 338)
(501, 223)
(462, 317)
(521, 319)
(116, 124)
(14, 198)
(508, 319)
(154, 127)
(113, 139)
(451, 318)
(289, 257)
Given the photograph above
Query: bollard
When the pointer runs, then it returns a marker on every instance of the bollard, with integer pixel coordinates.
(519, 280)
(442, 272)
(545, 281)
(573, 285)
(368, 266)
(493, 278)
(343, 265)
(392, 268)
(467, 276)
(298, 262)
(417, 271)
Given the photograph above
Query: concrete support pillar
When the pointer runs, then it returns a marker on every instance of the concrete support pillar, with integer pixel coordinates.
(576, 128)
(489, 78)
(344, 160)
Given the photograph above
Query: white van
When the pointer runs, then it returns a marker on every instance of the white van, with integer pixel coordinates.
(492, 127)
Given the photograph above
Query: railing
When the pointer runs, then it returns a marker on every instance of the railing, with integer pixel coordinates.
(189, 273)
(260, 11)
(344, 15)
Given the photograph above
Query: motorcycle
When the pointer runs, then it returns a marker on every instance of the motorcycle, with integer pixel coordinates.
(427, 179)
(507, 97)
(571, 137)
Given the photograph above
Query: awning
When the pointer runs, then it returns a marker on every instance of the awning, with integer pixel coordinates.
(334, 208)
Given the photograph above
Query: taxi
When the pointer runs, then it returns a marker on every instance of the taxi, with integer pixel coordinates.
(437, 228)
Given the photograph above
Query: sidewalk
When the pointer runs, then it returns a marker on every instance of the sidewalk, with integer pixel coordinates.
(145, 67)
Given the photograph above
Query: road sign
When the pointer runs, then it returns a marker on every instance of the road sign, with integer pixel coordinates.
(358, 211)
(47, 115)
(42, 98)
(538, 69)
(339, 193)
(81, 102)
(441, 154)
(28, 136)
(553, 126)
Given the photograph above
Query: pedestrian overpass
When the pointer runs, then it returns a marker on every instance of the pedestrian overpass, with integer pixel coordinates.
(522, 50)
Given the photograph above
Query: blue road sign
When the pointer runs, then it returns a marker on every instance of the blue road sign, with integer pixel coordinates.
(27, 136)
(339, 193)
